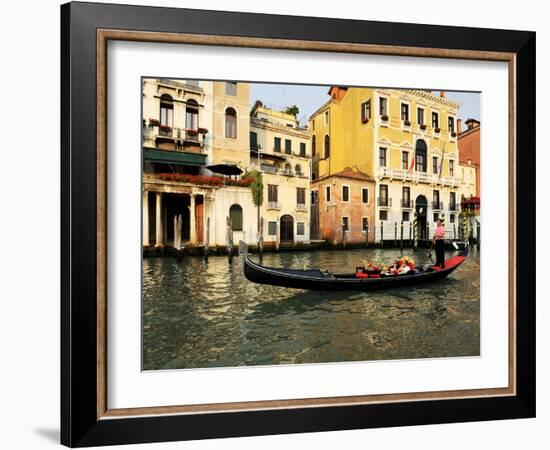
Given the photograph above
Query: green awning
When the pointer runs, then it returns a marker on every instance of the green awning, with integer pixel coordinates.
(173, 157)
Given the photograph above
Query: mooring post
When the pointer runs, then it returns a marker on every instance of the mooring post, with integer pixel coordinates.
(229, 241)
(381, 233)
(395, 234)
(207, 240)
(343, 236)
(478, 234)
(427, 233)
(261, 238)
(454, 231)
(410, 244)
(415, 227)
(367, 236)
(401, 236)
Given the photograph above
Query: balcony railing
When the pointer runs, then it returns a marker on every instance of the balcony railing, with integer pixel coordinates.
(406, 203)
(183, 135)
(417, 177)
(384, 201)
(301, 206)
(438, 206)
(273, 205)
(269, 169)
(452, 206)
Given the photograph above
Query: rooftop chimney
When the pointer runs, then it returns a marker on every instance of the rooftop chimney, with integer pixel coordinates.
(442, 94)
(458, 126)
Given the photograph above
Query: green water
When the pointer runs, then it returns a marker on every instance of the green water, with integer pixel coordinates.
(198, 314)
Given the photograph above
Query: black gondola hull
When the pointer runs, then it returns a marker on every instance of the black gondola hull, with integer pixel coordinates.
(318, 280)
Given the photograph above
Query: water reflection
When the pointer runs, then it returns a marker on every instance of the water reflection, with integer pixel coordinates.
(198, 314)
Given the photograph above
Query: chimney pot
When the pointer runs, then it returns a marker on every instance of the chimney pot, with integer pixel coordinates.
(459, 126)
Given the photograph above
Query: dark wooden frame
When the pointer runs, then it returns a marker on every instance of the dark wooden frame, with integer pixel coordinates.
(85, 27)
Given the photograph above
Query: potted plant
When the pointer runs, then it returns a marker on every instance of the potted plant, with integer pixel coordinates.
(191, 132)
(364, 119)
(384, 117)
(203, 130)
(407, 123)
(437, 130)
(165, 128)
(154, 123)
(453, 134)
(422, 126)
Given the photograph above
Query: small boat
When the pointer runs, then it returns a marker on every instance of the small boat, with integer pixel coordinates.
(323, 280)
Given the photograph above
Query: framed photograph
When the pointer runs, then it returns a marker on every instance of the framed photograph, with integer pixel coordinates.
(278, 224)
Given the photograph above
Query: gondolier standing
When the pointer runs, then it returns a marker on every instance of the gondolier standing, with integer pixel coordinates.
(439, 244)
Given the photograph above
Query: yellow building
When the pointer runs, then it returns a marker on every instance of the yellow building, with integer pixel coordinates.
(279, 148)
(405, 140)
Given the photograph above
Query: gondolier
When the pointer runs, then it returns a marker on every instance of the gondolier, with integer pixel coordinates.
(439, 244)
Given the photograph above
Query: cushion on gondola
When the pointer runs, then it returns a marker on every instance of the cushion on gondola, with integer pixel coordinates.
(361, 275)
(375, 275)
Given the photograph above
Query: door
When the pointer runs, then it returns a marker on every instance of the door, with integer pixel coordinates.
(287, 228)
(421, 206)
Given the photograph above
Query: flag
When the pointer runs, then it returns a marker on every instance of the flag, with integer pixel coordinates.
(411, 167)
(441, 163)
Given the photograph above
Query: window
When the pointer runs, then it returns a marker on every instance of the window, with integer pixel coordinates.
(298, 170)
(434, 164)
(406, 197)
(451, 168)
(383, 215)
(345, 193)
(272, 228)
(302, 149)
(404, 160)
(300, 228)
(326, 117)
(365, 195)
(236, 215)
(313, 176)
(192, 115)
(435, 119)
(420, 116)
(406, 216)
(452, 218)
(404, 111)
(345, 223)
(436, 199)
(231, 88)
(327, 146)
(313, 145)
(365, 224)
(277, 144)
(383, 104)
(365, 111)
(452, 201)
(313, 125)
(288, 169)
(288, 146)
(272, 193)
(383, 200)
(436, 216)
(230, 123)
(301, 197)
(166, 111)
(382, 157)
(451, 124)
(420, 161)
(253, 140)
(327, 194)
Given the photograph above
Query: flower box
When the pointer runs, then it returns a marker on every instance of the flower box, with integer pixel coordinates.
(191, 132)
(384, 117)
(202, 130)
(437, 130)
(165, 128)
(407, 123)
(422, 126)
(453, 134)
(364, 120)
(154, 123)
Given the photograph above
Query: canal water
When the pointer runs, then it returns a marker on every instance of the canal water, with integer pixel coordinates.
(198, 314)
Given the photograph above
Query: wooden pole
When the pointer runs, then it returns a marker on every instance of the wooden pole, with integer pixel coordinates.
(401, 237)
(207, 240)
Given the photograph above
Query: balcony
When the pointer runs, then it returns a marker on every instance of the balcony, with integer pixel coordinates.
(417, 177)
(407, 203)
(384, 202)
(301, 207)
(172, 138)
(452, 206)
(272, 205)
(437, 205)
(269, 169)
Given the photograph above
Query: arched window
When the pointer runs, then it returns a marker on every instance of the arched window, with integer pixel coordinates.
(327, 146)
(236, 216)
(166, 111)
(192, 115)
(288, 169)
(298, 170)
(420, 155)
(231, 123)
(313, 145)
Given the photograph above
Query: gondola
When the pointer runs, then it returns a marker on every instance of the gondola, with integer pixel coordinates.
(322, 280)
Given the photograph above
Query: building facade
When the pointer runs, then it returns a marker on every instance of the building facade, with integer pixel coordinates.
(405, 140)
(279, 149)
(189, 126)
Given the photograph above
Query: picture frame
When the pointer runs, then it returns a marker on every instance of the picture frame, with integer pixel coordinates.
(86, 28)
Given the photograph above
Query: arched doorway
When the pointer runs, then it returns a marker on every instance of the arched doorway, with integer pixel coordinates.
(421, 207)
(287, 228)
(421, 156)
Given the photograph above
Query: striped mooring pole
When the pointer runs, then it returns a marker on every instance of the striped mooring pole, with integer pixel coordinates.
(415, 225)
(464, 227)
